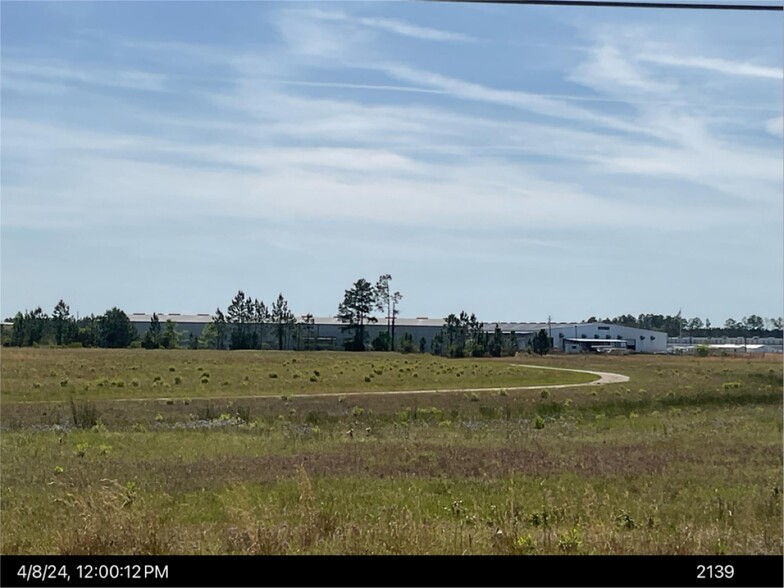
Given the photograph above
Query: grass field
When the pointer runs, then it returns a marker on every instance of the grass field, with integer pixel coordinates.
(686, 457)
(58, 374)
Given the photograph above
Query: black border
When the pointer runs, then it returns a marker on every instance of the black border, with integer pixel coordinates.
(337, 570)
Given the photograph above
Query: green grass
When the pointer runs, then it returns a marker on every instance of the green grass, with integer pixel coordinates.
(38, 374)
(672, 462)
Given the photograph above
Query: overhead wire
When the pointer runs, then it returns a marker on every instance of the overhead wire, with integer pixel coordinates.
(631, 4)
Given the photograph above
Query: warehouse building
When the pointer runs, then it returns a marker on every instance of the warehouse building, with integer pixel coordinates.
(328, 333)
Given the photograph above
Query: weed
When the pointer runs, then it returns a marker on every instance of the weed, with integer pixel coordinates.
(538, 422)
(273, 375)
(207, 413)
(243, 413)
(84, 415)
(64, 382)
(81, 449)
(626, 521)
(525, 544)
(570, 541)
(545, 394)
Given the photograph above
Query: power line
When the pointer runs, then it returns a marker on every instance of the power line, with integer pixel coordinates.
(624, 4)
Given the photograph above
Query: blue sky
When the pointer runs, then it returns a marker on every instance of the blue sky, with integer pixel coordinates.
(512, 161)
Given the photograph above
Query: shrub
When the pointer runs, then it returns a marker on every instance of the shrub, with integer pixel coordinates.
(272, 375)
(207, 413)
(539, 422)
(243, 413)
(545, 394)
(64, 382)
(570, 541)
(178, 380)
(525, 544)
(135, 382)
(172, 368)
(83, 414)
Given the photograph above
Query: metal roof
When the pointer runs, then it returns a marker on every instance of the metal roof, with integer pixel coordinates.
(518, 327)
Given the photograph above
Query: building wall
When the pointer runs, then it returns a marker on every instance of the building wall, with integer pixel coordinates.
(329, 331)
(639, 340)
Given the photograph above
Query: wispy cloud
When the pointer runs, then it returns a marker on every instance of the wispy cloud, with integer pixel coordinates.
(390, 25)
(65, 73)
(608, 67)
(775, 126)
(517, 99)
(723, 66)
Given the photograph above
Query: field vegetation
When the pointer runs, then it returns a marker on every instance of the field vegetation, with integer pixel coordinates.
(684, 458)
(30, 374)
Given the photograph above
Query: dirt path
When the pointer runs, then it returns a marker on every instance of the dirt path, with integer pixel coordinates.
(602, 378)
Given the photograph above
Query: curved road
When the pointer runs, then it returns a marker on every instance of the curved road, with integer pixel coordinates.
(602, 378)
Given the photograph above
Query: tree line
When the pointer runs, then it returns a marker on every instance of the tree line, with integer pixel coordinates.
(677, 326)
(112, 329)
(248, 323)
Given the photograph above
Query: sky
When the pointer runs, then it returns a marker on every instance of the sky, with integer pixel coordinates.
(517, 162)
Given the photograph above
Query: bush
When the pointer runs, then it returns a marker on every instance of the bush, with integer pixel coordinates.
(207, 413)
(243, 413)
(83, 414)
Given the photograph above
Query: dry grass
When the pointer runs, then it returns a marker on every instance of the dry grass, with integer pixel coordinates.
(671, 462)
(56, 374)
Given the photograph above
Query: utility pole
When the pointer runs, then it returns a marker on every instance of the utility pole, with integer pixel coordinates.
(549, 330)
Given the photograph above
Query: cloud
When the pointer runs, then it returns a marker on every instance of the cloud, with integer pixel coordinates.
(62, 72)
(610, 69)
(517, 99)
(775, 126)
(723, 66)
(390, 25)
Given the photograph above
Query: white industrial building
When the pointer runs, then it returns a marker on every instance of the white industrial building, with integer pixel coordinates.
(567, 337)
